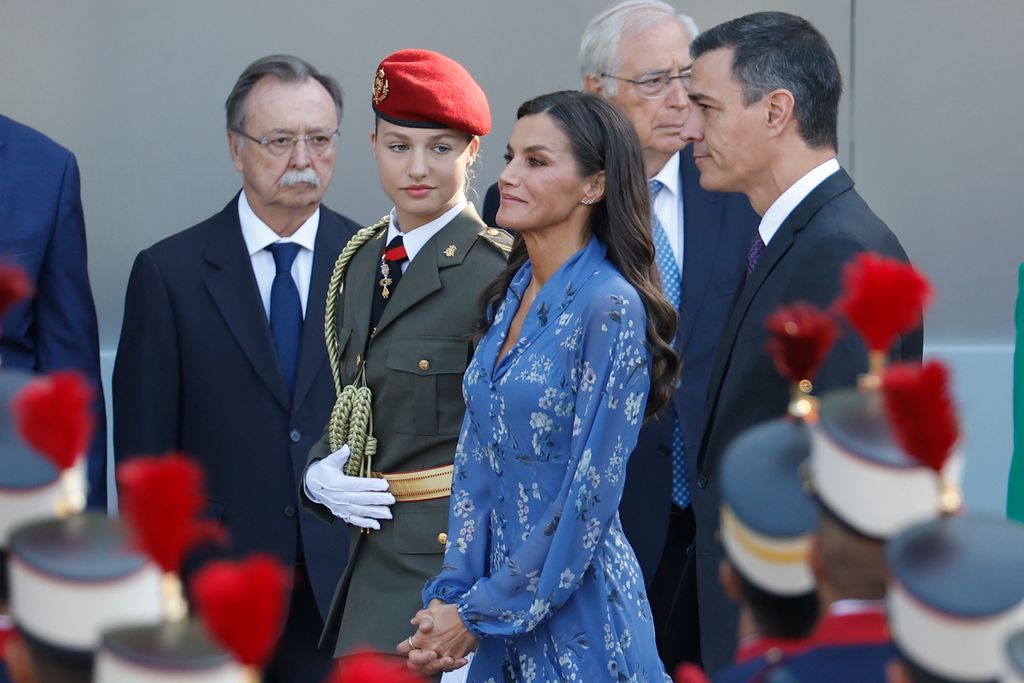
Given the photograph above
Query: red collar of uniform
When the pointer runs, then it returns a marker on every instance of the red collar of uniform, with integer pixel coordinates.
(853, 623)
(7, 631)
(756, 646)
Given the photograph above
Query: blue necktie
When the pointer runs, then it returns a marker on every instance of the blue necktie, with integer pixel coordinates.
(671, 284)
(285, 310)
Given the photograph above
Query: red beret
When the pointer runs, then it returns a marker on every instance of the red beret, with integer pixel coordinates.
(424, 89)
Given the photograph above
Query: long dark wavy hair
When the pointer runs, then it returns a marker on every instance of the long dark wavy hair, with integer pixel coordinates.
(603, 139)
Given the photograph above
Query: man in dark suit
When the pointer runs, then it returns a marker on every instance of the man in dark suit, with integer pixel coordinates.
(42, 230)
(222, 351)
(765, 90)
(637, 56)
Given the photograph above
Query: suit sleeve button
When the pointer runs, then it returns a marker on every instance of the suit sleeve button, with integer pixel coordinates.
(295, 435)
(424, 365)
(442, 538)
(289, 510)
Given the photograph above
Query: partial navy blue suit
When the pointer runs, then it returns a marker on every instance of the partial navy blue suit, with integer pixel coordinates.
(197, 371)
(802, 262)
(43, 231)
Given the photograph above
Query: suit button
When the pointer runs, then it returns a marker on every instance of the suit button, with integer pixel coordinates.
(424, 365)
(703, 481)
(289, 511)
(664, 451)
(442, 538)
(295, 435)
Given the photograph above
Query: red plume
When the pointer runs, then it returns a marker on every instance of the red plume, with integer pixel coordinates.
(14, 286)
(690, 673)
(162, 499)
(54, 416)
(369, 667)
(243, 605)
(801, 338)
(921, 411)
(883, 298)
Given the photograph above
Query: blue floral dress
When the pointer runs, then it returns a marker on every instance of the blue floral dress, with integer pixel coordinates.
(536, 559)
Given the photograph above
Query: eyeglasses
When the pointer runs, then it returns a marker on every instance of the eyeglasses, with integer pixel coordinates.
(317, 143)
(654, 86)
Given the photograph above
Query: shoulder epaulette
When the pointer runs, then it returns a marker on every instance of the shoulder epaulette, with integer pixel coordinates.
(501, 239)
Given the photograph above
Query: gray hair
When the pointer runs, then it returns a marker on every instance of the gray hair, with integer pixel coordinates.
(599, 45)
(285, 68)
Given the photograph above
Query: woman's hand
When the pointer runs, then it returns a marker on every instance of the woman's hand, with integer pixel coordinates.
(441, 641)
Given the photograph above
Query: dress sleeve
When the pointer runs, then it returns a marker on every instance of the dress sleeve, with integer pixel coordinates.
(610, 373)
(465, 556)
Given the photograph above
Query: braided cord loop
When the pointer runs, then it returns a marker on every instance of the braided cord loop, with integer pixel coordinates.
(351, 418)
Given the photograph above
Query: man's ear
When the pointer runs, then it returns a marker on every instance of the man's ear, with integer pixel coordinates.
(235, 143)
(779, 110)
(593, 83)
(729, 580)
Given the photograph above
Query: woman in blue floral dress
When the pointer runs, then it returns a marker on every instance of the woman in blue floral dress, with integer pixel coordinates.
(538, 577)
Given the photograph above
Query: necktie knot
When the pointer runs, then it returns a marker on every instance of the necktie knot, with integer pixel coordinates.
(284, 255)
(395, 251)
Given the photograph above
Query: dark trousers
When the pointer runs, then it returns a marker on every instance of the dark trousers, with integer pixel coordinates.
(298, 659)
(673, 603)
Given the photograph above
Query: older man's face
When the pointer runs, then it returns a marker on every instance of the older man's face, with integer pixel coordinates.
(662, 49)
(280, 187)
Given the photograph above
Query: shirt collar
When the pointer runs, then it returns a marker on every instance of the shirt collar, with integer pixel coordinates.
(258, 235)
(414, 240)
(788, 200)
(668, 176)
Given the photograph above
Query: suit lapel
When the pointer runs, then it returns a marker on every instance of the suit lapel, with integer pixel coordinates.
(330, 239)
(701, 217)
(422, 278)
(233, 287)
(781, 243)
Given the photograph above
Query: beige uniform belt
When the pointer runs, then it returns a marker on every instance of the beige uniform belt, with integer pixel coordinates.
(428, 484)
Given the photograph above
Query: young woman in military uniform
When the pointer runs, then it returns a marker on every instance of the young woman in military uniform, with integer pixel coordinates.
(401, 311)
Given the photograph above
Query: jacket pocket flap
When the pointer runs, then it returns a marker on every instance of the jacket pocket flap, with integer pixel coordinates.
(429, 356)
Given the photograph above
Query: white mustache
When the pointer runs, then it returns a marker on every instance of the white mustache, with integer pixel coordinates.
(306, 175)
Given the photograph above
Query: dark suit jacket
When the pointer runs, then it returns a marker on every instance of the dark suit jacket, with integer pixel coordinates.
(417, 414)
(803, 262)
(42, 230)
(717, 231)
(196, 370)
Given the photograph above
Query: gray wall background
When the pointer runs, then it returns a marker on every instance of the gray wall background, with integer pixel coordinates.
(928, 129)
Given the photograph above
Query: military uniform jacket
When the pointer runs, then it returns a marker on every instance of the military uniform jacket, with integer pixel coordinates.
(414, 365)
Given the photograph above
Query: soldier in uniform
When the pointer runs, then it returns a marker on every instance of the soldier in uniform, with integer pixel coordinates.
(956, 594)
(404, 299)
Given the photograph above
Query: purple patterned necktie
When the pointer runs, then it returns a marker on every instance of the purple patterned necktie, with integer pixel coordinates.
(756, 247)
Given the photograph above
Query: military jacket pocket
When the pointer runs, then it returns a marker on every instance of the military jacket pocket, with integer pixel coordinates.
(421, 531)
(427, 373)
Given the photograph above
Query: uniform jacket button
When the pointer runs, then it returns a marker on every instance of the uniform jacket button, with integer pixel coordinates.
(424, 365)
(442, 538)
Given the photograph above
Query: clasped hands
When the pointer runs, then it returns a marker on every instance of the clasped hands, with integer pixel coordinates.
(441, 641)
(360, 501)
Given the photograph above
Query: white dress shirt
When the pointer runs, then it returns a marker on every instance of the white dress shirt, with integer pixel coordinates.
(780, 209)
(414, 240)
(668, 206)
(258, 236)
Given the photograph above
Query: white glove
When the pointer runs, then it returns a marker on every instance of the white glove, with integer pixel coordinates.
(360, 501)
